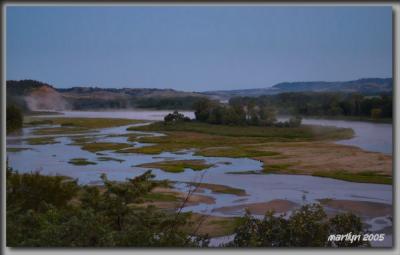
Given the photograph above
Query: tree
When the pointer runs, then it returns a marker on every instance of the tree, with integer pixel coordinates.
(308, 226)
(267, 116)
(295, 121)
(63, 214)
(202, 109)
(175, 117)
(14, 118)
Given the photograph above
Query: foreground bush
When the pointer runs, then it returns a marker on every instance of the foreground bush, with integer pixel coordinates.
(308, 226)
(53, 211)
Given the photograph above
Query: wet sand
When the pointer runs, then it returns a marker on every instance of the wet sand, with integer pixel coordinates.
(361, 208)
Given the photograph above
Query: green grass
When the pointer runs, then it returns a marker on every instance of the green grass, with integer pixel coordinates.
(81, 162)
(104, 146)
(41, 140)
(234, 152)
(80, 140)
(93, 123)
(110, 159)
(276, 168)
(178, 166)
(305, 132)
(13, 149)
(144, 150)
(78, 125)
(39, 122)
(365, 176)
(228, 141)
(61, 130)
(218, 188)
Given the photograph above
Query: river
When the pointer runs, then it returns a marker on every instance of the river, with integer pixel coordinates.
(53, 159)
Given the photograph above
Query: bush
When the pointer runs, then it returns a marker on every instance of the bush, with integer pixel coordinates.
(52, 211)
(308, 226)
(175, 117)
(14, 118)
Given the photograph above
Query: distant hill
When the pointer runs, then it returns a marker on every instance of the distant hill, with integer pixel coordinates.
(369, 86)
(35, 95)
(31, 95)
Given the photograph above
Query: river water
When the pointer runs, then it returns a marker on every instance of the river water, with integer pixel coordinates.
(53, 159)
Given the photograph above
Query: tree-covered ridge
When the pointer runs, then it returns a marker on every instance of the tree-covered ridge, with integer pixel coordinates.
(288, 98)
(26, 93)
(365, 86)
(23, 87)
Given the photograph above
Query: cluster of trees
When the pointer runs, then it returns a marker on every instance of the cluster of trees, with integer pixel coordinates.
(240, 113)
(175, 117)
(14, 118)
(97, 103)
(54, 211)
(308, 226)
(323, 104)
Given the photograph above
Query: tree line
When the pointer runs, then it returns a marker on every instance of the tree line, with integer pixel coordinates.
(240, 113)
(323, 104)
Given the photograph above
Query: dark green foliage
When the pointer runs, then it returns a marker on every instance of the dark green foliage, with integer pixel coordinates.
(323, 104)
(35, 191)
(238, 113)
(175, 117)
(346, 223)
(308, 226)
(14, 118)
(52, 211)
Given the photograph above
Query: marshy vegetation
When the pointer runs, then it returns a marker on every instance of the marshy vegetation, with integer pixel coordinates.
(178, 166)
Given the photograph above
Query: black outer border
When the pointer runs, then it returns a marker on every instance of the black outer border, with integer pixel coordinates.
(395, 21)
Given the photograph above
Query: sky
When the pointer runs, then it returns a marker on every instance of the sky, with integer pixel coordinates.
(196, 48)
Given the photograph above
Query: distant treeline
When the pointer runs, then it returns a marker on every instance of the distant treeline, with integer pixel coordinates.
(159, 103)
(322, 104)
(170, 103)
(238, 113)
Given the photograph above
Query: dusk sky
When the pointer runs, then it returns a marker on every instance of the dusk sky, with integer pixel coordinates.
(197, 48)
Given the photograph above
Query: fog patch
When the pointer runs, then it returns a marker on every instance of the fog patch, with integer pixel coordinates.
(46, 98)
